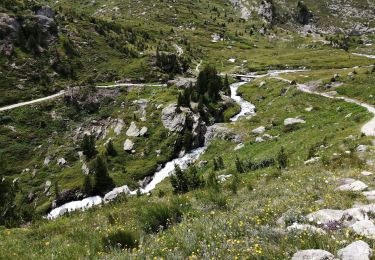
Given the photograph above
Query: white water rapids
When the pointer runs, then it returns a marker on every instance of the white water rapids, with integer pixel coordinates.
(246, 109)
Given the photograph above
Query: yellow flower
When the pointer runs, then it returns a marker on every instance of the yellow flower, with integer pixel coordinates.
(47, 243)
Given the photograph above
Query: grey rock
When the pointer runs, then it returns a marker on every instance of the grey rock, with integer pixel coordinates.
(259, 130)
(313, 254)
(173, 121)
(47, 186)
(354, 186)
(293, 121)
(364, 228)
(325, 216)
(362, 148)
(61, 162)
(47, 160)
(143, 131)
(110, 196)
(128, 145)
(259, 140)
(133, 130)
(118, 126)
(366, 173)
(370, 195)
(358, 250)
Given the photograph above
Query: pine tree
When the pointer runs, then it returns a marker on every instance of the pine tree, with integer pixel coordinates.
(87, 186)
(194, 180)
(111, 151)
(88, 146)
(216, 165)
(179, 181)
(103, 182)
(227, 90)
(213, 182)
(282, 159)
(239, 166)
(221, 162)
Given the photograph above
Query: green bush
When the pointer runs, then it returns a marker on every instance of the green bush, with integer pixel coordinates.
(159, 216)
(121, 239)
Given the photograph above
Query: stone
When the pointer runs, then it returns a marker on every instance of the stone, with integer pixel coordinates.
(326, 216)
(143, 131)
(158, 152)
(362, 148)
(259, 130)
(304, 227)
(293, 121)
(47, 186)
(128, 145)
(201, 164)
(313, 254)
(85, 169)
(173, 121)
(223, 178)
(354, 186)
(47, 160)
(119, 125)
(238, 147)
(110, 196)
(259, 140)
(309, 109)
(312, 160)
(370, 195)
(366, 173)
(364, 228)
(358, 250)
(262, 84)
(61, 161)
(133, 130)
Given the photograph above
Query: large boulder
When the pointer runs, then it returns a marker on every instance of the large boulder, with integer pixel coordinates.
(110, 196)
(364, 228)
(313, 254)
(177, 121)
(358, 250)
(353, 186)
(172, 120)
(9, 26)
(223, 133)
(326, 216)
(133, 130)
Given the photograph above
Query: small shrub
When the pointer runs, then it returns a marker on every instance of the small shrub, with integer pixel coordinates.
(218, 199)
(159, 216)
(282, 159)
(121, 239)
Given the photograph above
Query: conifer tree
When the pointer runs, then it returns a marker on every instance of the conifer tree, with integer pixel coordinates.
(103, 182)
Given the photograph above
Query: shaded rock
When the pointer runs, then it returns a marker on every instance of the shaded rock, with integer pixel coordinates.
(133, 130)
(259, 130)
(46, 11)
(183, 82)
(85, 169)
(110, 196)
(313, 254)
(222, 133)
(354, 186)
(173, 121)
(128, 145)
(364, 228)
(69, 195)
(358, 250)
(362, 148)
(259, 140)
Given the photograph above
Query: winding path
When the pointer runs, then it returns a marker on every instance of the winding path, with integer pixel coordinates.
(367, 129)
(63, 92)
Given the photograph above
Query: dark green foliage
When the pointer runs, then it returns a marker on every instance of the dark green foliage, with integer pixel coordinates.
(110, 149)
(184, 181)
(303, 13)
(213, 182)
(239, 166)
(88, 146)
(209, 84)
(87, 187)
(103, 182)
(121, 239)
(253, 166)
(282, 159)
(57, 190)
(226, 88)
(158, 216)
(235, 182)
